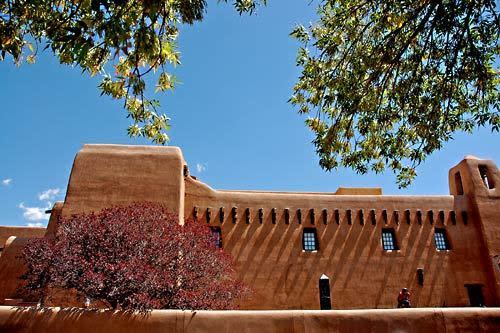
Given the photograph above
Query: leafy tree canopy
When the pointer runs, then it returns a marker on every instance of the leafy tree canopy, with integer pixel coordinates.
(127, 38)
(386, 83)
(135, 257)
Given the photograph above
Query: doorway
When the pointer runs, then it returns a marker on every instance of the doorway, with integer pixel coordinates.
(324, 293)
(475, 293)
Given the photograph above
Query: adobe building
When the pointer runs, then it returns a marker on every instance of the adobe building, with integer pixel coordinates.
(352, 249)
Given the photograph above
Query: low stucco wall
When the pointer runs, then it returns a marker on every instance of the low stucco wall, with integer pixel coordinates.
(24, 232)
(398, 320)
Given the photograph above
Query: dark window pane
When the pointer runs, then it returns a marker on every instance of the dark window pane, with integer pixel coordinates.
(388, 240)
(441, 240)
(309, 239)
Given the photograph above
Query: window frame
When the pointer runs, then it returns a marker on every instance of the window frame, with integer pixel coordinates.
(445, 240)
(316, 243)
(392, 233)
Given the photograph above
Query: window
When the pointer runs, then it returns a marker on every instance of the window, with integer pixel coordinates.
(389, 240)
(441, 240)
(453, 217)
(325, 302)
(217, 234)
(475, 294)
(420, 276)
(458, 184)
(483, 171)
(309, 239)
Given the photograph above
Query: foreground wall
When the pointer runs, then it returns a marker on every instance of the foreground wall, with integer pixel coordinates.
(407, 320)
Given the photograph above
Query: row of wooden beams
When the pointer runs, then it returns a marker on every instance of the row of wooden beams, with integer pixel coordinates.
(371, 218)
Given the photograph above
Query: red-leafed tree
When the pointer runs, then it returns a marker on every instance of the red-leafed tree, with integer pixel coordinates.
(135, 257)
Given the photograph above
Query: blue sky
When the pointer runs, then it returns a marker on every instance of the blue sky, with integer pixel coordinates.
(229, 116)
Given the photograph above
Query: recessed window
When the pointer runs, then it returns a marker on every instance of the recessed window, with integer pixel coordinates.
(441, 240)
(389, 239)
(217, 236)
(309, 239)
(420, 276)
(483, 171)
(458, 183)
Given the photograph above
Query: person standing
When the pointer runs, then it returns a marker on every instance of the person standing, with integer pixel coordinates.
(404, 298)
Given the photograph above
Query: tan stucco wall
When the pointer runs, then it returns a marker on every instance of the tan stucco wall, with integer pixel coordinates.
(269, 256)
(11, 267)
(107, 175)
(270, 259)
(29, 232)
(485, 204)
(404, 320)
(13, 240)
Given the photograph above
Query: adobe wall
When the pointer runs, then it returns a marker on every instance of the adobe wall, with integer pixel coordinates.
(484, 196)
(268, 252)
(29, 232)
(11, 268)
(403, 320)
(109, 175)
(270, 259)
(13, 240)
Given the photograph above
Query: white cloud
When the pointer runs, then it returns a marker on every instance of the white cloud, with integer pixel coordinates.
(200, 167)
(35, 225)
(49, 194)
(35, 214)
(7, 181)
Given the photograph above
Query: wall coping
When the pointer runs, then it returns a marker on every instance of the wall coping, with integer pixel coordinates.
(439, 320)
